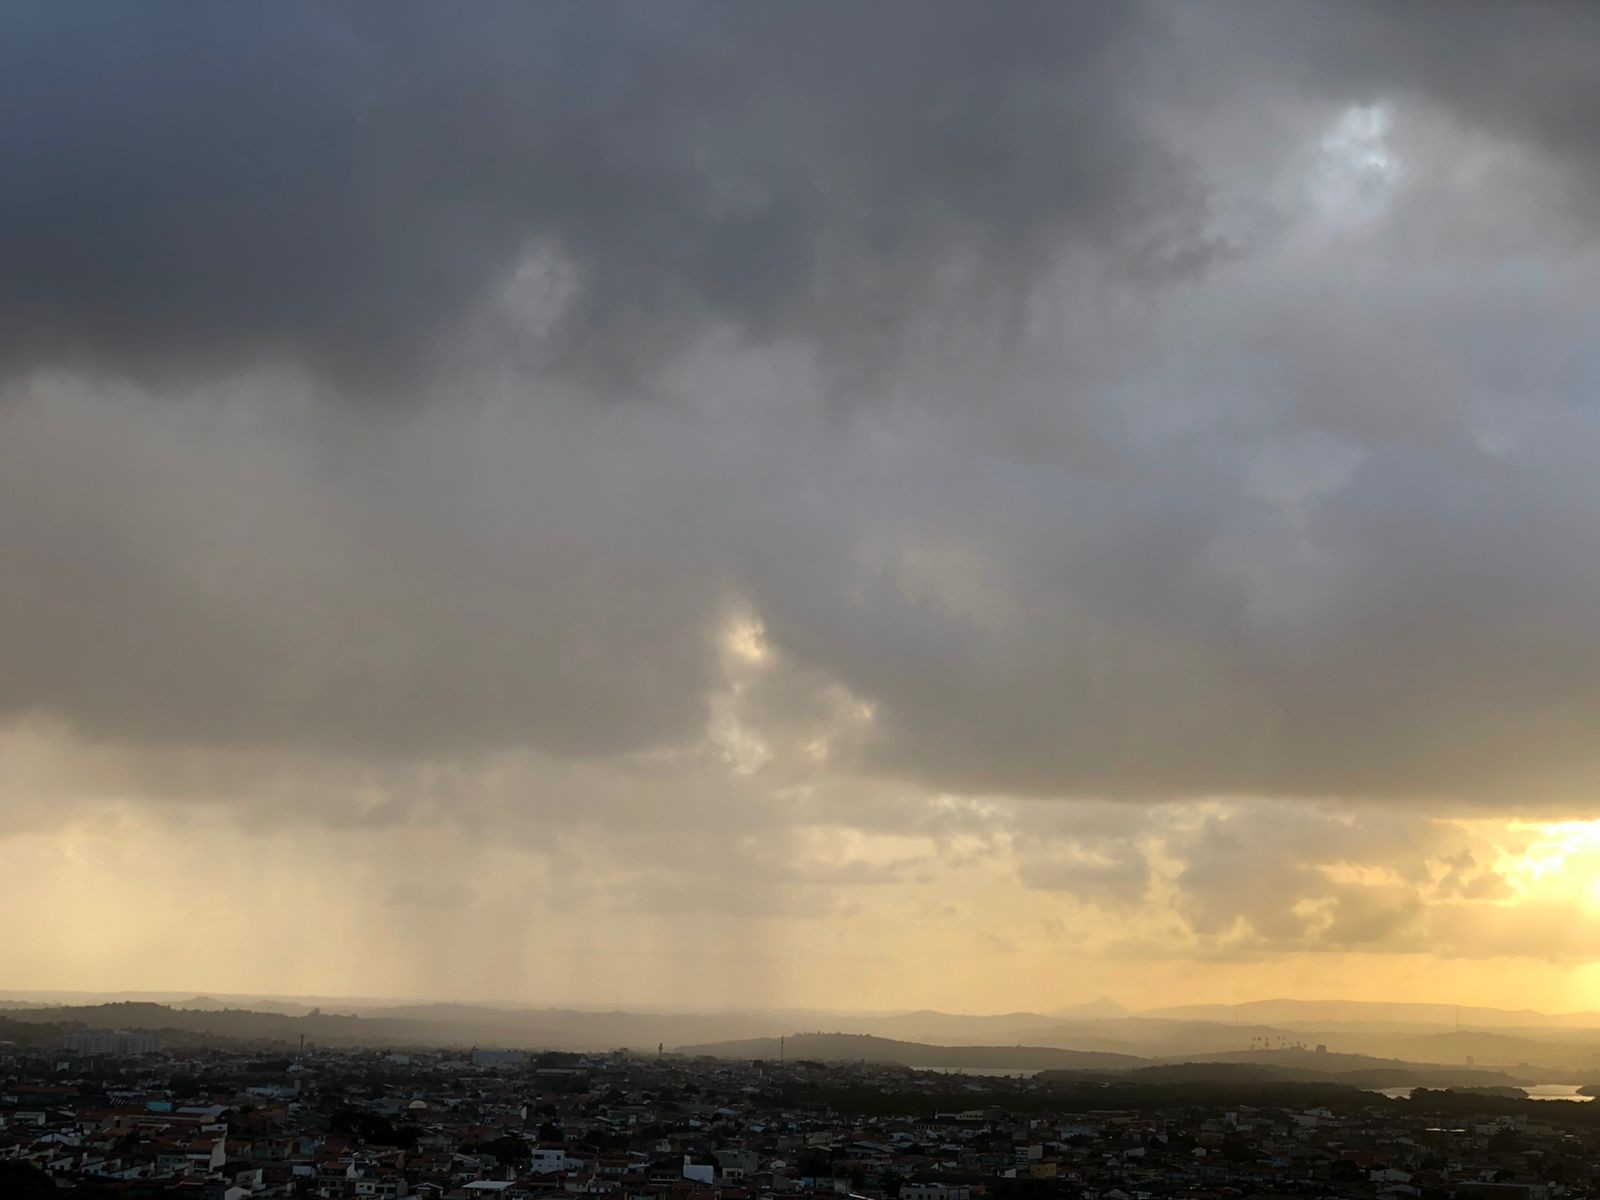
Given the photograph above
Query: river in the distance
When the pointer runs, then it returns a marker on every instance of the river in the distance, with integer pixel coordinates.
(1536, 1091)
(996, 1072)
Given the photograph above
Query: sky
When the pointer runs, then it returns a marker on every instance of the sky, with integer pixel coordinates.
(855, 506)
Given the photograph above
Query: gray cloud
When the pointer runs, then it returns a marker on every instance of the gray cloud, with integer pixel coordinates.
(1251, 882)
(1270, 879)
(1316, 520)
(345, 186)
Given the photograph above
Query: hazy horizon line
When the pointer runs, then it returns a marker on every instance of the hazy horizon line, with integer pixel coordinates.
(1078, 1008)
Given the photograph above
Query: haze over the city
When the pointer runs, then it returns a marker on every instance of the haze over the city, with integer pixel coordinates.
(835, 506)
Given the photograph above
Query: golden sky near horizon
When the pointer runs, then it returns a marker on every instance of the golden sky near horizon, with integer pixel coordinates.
(959, 904)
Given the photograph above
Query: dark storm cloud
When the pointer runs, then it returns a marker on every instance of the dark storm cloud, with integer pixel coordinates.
(198, 187)
(1523, 71)
(1320, 519)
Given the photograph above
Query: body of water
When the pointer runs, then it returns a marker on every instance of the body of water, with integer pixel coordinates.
(995, 1071)
(1536, 1091)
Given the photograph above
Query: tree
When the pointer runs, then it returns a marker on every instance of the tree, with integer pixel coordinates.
(1343, 1170)
(813, 1162)
(508, 1148)
(373, 1129)
(1504, 1142)
(183, 1086)
(24, 1181)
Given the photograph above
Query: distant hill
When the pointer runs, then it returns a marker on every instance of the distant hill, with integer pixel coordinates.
(1290, 1065)
(247, 1026)
(1375, 1013)
(856, 1047)
(1532, 1046)
(1103, 1007)
(1378, 1075)
(1366, 1071)
(408, 1025)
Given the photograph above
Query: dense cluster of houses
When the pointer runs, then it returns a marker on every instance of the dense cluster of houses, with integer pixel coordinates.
(238, 1125)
